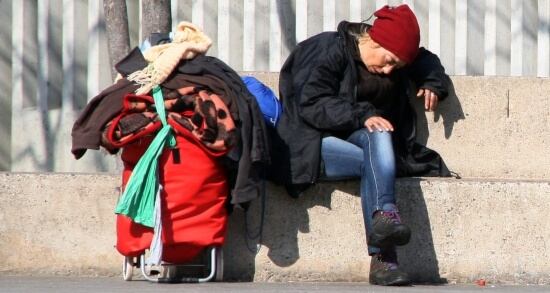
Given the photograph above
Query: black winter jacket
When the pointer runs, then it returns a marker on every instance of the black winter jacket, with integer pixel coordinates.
(318, 88)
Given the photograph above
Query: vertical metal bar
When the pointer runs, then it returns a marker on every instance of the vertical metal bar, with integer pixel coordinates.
(67, 102)
(516, 52)
(140, 18)
(314, 22)
(367, 9)
(301, 20)
(185, 10)
(543, 36)
(237, 32)
(529, 27)
(503, 37)
(42, 97)
(341, 12)
(223, 29)
(461, 37)
(93, 48)
(447, 54)
(475, 53)
(261, 35)
(434, 27)
(355, 10)
(422, 9)
(6, 114)
(210, 26)
(249, 38)
(18, 92)
(67, 92)
(329, 11)
(275, 46)
(490, 38)
(198, 13)
(175, 17)
(17, 57)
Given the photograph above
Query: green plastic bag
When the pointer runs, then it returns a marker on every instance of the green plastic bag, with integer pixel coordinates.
(138, 200)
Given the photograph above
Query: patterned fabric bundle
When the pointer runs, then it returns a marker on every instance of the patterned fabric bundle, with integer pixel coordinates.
(189, 109)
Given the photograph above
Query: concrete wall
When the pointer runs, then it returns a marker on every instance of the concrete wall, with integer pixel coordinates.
(489, 127)
(462, 230)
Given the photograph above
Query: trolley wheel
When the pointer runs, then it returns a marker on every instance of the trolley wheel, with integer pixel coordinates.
(219, 265)
(127, 268)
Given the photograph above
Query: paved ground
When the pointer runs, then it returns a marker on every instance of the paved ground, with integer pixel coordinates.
(115, 285)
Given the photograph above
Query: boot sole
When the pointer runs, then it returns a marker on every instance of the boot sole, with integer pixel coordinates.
(400, 281)
(398, 237)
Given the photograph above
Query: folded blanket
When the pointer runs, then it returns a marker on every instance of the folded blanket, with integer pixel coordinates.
(193, 110)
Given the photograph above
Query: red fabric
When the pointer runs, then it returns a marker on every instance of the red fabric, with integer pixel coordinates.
(111, 135)
(130, 104)
(396, 29)
(215, 129)
(193, 202)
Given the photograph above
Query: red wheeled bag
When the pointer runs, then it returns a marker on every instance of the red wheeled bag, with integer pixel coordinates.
(193, 206)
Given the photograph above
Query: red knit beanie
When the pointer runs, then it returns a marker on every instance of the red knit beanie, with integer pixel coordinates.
(396, 29)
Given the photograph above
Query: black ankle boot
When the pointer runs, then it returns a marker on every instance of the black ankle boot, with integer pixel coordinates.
(388, 230)
(384, 270)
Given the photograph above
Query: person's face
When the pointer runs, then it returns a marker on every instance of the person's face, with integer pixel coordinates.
(377, 59)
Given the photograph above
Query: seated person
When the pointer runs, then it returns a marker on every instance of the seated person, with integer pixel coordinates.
(346, 114)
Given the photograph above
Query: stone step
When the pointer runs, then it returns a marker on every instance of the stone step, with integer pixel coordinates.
(496, 229)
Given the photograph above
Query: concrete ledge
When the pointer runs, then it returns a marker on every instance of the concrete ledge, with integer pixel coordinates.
(463, 230)
(490, 127)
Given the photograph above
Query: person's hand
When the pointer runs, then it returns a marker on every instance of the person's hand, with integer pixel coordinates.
(430, 99)
(378, 123)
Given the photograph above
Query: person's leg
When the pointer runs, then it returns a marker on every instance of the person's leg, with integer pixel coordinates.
(368, 156)
(378, 189)
(382, 222)
(342, 160)
(384, 269)
(371, 158)
(379, 169)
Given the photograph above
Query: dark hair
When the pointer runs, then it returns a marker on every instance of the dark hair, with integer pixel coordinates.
(363, 29)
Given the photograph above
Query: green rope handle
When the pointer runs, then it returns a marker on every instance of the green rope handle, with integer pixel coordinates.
(138, 200)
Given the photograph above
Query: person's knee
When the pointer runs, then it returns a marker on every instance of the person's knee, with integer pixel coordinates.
(372, 139)
(378, 145)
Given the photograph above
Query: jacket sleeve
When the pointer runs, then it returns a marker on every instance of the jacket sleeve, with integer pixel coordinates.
(320, 101)
(427, 72)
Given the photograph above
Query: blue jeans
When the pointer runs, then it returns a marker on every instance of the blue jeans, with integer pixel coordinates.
(369, 156)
